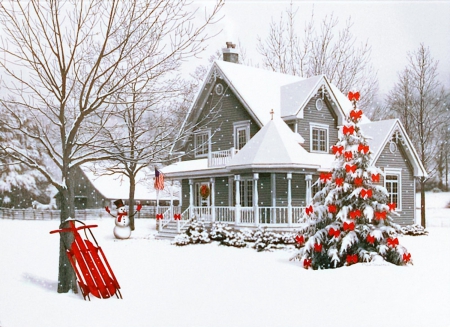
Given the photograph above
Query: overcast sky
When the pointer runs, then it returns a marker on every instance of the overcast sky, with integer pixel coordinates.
(392, 28)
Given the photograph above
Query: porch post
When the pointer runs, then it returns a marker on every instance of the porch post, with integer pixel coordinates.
(191, 198)
(289, 198)
(308, 179)
(212, 180)
(255, 198)
(237, 214)
(273, 187)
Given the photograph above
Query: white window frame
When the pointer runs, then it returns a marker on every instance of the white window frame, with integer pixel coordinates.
(239, 126)
(316, 126)
(207, 143)
(398, 173)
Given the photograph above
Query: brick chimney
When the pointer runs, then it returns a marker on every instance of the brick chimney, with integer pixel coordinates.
(230, 53)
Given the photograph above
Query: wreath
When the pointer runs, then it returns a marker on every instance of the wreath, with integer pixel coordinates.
(204, 191)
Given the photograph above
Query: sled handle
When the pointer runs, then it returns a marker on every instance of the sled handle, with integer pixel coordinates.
(64, 230)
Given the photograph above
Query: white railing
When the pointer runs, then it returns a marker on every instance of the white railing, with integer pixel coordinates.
(201, 213)
(273, 215)
(247, 215)
(225, 214)
(221, 158)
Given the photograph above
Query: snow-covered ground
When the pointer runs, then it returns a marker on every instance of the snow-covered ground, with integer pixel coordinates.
(211, 285)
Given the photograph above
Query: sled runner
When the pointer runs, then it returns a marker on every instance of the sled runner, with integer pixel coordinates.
(93, 272)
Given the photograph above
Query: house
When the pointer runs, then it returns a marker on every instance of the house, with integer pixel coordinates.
(260, 141)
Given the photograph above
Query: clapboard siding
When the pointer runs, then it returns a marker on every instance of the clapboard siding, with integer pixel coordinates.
(325, 116)
(230, 110)
(399, 160)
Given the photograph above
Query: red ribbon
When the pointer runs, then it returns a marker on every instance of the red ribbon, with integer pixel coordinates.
(370, 239)
(300, 239)
(348, 155)
(366, 193)
(324, 177)
(339, 181)
(350, 168)
(337, 149)
(380, 215)
(347, 130)
(358, 181)
(177, 216)
(159, 216)
(392, 242)
(353, 96)
(309, 210)
(332, 208)
(318, 247)
(333, 232)
(363, 148)
(375, 178)
(355, 115)
(355, 214)
(392, 206)
(406, 257)
(307, 263)
(352, 258)
(350, 226)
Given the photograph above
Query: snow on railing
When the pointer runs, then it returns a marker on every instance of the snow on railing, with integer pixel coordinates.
(221, 158)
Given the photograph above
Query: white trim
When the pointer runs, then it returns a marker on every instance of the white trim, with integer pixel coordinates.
(395, 172)
(317, 126)
(241, 125)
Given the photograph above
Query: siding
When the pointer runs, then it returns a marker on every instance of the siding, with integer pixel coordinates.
(399, 160)
(325, 116)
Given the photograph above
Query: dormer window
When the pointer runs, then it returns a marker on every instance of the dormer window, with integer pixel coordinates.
(319, 137)
(241, 134)
(201, 140)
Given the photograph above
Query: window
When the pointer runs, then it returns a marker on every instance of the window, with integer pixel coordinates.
(241, 134)
(201, 143)
(392, 183)
(319, 138)
(246, 192)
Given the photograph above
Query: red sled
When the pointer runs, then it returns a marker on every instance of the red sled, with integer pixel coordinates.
(94, 275)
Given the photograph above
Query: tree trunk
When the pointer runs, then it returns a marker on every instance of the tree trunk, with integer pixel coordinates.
(66, 274)
(131, 200)
(422, 202)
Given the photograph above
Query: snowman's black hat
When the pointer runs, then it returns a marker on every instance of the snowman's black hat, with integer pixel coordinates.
(118, 203)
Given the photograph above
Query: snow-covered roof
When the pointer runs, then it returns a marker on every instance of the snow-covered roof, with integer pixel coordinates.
(117, 186)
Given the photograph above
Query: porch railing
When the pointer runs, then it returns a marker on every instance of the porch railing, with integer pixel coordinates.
(221, 158)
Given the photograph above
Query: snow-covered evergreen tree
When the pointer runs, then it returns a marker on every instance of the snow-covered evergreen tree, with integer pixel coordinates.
(350, 219)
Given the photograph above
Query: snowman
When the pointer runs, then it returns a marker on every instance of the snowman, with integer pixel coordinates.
(122, 230)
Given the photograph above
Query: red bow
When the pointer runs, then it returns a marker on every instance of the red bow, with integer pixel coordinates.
(339, 181)
(375, 178)
(318, 247)
(159, 216)
(406, 257)
(337, 149)
(307, 263)
(139, 207)
(177, 216)
(350, 168)
(358, 181)
(300, 239)
(366, 193)
(333, 232)
(332, 208)
(347, 130)
(355, 115)
(353, 96)
(324, 177)
(309, 210)
(352, 258)
(120, 215)
(350, 226)
(370, 239)
(392, 242)
(355, 214)
(348, 155)
(380, 215)
(392, 206)
(363, 148)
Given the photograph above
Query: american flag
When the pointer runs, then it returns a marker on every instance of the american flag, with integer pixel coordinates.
(159, 180)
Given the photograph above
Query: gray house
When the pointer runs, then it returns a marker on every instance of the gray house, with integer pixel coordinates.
(263, 138)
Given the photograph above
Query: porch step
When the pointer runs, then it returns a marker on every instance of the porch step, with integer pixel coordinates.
(169, 232)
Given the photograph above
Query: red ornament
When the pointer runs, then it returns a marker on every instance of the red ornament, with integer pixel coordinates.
(358, 181)
(365, 194)
(356, 114)
(352, 258)
(375, 178)
(347, 130)
(370, 239)
(333, 232)
(159, 216)
(350, 168)
(318, 247)
(392, 242)
(337, 149)
(355, 214)
(339, 181)
(332, 208)
(380, 215)
(363, 148)
(307, 263)
(300, 239)
(325, 177)
(350, 226)
(348, 155)
(309, 210)
(392, 206)
(406, 257)
(177, 216)
(353, 96)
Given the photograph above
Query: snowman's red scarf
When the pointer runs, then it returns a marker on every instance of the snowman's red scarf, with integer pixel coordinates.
(120, 215)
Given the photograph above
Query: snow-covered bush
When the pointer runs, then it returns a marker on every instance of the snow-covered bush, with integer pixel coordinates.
(414, 230)
(196, 233)
(266, 240)
(227, 236)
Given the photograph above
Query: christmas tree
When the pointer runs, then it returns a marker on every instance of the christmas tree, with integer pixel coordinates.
(350, 219)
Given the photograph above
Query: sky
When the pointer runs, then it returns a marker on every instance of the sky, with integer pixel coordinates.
(392, 28)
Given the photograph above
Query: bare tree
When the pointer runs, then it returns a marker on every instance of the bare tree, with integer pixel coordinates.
(65, 65)
(329, 51)
(418, 100)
